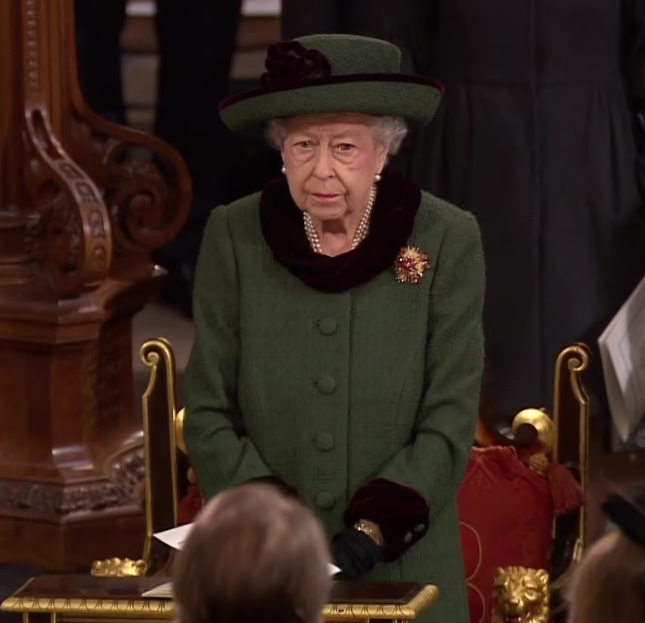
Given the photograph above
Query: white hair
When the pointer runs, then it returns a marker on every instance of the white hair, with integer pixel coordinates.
(388, 132)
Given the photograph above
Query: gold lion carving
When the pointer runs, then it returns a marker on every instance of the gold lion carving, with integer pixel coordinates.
(521, 596)
(119, 568)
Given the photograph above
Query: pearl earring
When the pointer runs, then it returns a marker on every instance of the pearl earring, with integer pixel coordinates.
(283, 169)
(377, 178)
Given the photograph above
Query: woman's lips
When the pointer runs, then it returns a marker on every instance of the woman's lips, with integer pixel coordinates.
(325, 197)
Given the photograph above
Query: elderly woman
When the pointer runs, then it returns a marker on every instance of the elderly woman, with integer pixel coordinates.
(339, 344)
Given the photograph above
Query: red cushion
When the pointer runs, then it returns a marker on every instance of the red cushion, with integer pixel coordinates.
(189, 506)
(506, 515)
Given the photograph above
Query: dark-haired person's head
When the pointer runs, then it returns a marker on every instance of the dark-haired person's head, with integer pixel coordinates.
(253, 555)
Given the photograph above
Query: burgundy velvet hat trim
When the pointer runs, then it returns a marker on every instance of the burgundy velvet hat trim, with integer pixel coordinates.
(395, 208)
(288, 61)
(401, 513)
(321, 82)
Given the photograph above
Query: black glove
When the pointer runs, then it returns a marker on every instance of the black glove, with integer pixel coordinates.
(355, 553)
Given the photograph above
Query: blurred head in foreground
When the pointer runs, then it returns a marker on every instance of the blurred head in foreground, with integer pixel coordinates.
(253, 555)
(609, 584)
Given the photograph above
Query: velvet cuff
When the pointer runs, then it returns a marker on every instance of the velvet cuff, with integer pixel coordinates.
(401, 513)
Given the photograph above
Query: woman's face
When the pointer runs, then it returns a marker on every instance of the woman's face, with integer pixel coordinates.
(331, 162)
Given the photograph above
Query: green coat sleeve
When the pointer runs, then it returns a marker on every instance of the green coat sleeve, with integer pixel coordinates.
(221, 453)
(434, 462)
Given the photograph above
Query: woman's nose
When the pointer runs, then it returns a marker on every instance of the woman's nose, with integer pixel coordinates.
(323, 167)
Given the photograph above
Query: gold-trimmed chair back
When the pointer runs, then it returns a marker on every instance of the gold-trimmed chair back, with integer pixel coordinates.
(571, 447)
(165, 461)
(565, 437)
(162, 453)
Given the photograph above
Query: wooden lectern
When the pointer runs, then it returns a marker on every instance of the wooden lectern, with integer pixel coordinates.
(82, 204)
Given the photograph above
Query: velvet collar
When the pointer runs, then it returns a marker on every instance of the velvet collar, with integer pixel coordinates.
(393, 214)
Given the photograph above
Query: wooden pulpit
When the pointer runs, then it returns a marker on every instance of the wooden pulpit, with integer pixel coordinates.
(83, 202)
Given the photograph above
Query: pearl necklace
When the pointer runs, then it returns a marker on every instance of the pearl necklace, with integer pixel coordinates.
(361, 231)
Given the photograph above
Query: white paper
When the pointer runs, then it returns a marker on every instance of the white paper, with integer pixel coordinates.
(175, 538)
(163, 591)
(622, 350)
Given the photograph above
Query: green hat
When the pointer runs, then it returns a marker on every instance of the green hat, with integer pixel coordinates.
(332, 74)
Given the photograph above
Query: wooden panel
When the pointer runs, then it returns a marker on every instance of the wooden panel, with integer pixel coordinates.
(82, 205)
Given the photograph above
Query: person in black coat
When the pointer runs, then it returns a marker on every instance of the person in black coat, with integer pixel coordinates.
(538, 135)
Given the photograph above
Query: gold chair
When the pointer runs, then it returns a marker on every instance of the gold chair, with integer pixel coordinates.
(533, 595)
(168, 475)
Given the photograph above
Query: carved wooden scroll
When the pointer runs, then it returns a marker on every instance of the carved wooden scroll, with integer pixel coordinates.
(83, 202)
(96, 193)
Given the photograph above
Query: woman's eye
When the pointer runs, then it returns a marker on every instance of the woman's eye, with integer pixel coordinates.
(345, 147)
(303, 144)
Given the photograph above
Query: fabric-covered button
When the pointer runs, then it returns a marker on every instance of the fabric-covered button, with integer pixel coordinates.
(420, 528)
(407, 538)
(326, 384)
(325, 442)
(327, 326)
(325, 501)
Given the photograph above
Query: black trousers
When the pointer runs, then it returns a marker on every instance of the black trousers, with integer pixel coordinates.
(196, 40)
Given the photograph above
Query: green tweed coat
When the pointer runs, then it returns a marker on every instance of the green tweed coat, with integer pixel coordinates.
(328, 391)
